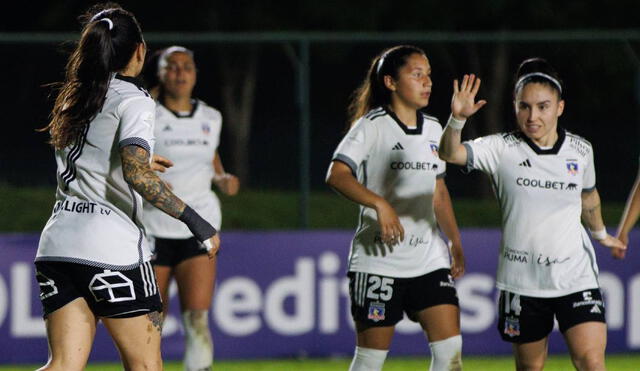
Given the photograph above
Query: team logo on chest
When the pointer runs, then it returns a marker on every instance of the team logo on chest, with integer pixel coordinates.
(434, 149)
(206, 129)
(572, 167)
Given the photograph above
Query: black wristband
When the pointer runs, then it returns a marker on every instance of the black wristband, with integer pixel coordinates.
(200, 228)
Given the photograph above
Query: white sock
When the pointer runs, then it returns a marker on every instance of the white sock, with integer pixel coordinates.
(367, 359)
(198, 354)
(446, 355)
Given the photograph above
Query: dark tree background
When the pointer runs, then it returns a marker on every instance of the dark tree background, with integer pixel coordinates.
(253, 84)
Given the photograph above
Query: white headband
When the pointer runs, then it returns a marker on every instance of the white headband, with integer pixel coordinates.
(381, 62)
(162, 60)
(540, 74)
(109, 22)
(101, 13)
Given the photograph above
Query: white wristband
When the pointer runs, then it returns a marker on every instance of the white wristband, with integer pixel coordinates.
(207, 245)
(455, 123)
(599, 235)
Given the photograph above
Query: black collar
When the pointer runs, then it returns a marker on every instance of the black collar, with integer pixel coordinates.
(551, 151)
(407, 130)
(135, 81)
(194, 107)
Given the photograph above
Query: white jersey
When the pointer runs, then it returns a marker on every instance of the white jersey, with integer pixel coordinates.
(96, 217)
(545, 250)
(401, 165)
(189, 140)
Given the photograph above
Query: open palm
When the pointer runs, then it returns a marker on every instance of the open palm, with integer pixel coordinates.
(463, 103)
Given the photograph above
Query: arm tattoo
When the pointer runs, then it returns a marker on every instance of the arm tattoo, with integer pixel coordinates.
(590, 213)
(138, 173)
(156, 320)
(591, 210)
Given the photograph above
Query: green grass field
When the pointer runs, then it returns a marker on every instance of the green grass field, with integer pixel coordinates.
(618, 362)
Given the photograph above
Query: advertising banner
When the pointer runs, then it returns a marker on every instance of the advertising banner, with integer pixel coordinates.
(284, 294)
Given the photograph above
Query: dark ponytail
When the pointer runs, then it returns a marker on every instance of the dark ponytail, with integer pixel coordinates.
(109, 38)
(372, 92)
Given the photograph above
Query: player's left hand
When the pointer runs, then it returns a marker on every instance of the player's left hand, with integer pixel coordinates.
(161, 164)
(618, 248)
(229, 184)
(213, 246)
(463, 104)
(457, 259)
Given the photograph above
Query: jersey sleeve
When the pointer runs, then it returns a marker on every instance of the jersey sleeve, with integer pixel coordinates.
(137, 118)
(216, 119)
(484, 153)
(442, 165)
(356, 145)
(589, 174)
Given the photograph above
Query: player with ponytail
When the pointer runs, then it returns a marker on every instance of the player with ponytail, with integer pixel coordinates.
(93, 262)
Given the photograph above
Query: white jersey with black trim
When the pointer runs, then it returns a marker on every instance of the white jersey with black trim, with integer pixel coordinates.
(96, 217)
(545, 250)
(401, 165)
(190, 140)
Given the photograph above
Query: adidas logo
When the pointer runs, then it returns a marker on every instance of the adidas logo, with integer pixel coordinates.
(166, 128)
(525, 163)
(398, 146)
(595, 309)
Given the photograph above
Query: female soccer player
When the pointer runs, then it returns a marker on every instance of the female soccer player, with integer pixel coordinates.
(544, 179)
(93, 260)
(388, 164)
(187, 132)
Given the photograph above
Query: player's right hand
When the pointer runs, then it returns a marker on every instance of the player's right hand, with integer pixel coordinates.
(391, 231)
(463, 104)
(618, 248)
(159, 163)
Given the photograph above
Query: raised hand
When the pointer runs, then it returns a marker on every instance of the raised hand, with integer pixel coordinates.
(463, 104)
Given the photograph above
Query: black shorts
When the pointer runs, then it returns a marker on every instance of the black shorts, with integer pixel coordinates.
(381, 301)
(171, 252)
(109, 293)
(524, 319)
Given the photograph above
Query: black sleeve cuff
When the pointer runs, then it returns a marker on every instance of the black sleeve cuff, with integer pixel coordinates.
(136, 141)
(201, 229)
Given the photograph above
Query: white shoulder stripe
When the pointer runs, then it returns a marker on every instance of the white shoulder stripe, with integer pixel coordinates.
(374, 112)
(429, 117)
